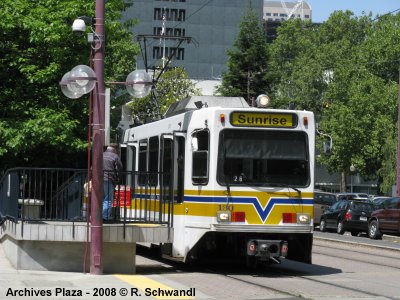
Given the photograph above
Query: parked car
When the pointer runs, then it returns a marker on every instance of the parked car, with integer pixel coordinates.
(347, 215)
(377, 201)
(322, 200)
(351, 196)
(385, 219)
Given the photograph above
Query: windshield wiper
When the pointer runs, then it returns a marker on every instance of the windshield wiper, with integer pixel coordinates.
(271, 184)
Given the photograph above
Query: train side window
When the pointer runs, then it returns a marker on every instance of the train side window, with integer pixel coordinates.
(166, 161)
(153, 160)
(142, 164)
(200, 147)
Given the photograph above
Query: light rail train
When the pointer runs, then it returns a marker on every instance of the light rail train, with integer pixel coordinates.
(242, 178)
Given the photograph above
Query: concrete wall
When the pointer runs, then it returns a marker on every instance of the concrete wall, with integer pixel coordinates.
(68, 256)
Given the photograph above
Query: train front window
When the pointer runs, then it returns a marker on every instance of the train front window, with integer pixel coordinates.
(267, 158)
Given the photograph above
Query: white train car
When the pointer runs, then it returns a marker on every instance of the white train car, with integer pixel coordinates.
(241, 178)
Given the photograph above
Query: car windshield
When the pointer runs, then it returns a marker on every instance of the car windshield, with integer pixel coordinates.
(359, 206)
(267, 158)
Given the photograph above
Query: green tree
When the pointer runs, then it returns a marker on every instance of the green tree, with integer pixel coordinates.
(295, 67)
(172, 86)
(39, 126)
(247, 60)
(356, 104)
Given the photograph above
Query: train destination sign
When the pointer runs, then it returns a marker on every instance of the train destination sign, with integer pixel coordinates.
(263, 119)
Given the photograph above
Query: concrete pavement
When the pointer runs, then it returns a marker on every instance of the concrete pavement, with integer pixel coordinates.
(46, 285)
(25, 284)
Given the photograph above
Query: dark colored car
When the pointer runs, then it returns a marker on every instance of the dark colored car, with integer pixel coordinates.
(322, 200)
(378, 201)
(385, 219)
(347, 215)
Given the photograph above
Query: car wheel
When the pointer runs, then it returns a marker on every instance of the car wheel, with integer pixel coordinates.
(340, 227)
(373, 230)
(322, 225)
(354, 233)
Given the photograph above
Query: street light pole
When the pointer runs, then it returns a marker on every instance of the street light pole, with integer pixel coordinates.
(79, 81)
(398, 139)
(96, 241)
(352, 169)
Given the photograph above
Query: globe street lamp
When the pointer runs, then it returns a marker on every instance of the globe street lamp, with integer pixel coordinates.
(82, 80)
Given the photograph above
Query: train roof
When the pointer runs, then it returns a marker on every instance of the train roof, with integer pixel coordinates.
(196, 102)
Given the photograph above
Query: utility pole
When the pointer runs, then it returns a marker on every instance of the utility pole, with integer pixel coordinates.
(96, 232)
(248, 87)
(398, 139)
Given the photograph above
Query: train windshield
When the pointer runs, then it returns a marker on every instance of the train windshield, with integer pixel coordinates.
(263, 158)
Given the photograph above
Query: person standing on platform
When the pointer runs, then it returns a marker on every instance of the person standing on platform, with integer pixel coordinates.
(112, 165)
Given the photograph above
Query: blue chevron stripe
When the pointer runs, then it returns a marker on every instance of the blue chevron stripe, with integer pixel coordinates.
(262, 212)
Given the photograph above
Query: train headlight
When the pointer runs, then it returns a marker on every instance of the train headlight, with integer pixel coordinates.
(303, 218)
(223, 216)
(263, 101)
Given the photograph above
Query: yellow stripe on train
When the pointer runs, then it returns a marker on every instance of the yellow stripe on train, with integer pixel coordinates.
(259, 207)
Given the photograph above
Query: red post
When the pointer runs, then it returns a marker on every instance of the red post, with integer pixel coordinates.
(398, 140)
(96, 230)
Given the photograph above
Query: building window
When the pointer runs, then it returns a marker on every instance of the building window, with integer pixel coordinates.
(179, 31)
(170, 14)
(275, 14)
(169, 31)
(307, 16)
(267, 14)
(158, 13)
(182, 15)
(178, 54)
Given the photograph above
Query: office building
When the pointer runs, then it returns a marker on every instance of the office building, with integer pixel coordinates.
(281, 10)
(197, 32)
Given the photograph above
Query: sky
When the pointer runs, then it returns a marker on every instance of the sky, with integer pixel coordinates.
(321, 9)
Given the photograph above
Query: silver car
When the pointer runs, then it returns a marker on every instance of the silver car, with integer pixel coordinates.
(322, 200)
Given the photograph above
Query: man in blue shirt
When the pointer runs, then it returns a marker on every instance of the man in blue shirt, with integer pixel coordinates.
(112, 166)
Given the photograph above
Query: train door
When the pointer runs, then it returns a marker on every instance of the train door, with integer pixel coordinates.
(130, 164)
(172, 162)
(166, 171)
(179, 167)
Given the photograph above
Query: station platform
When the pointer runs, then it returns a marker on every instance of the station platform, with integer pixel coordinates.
(64, 246)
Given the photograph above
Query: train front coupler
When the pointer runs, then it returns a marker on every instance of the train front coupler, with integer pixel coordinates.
(266, 250)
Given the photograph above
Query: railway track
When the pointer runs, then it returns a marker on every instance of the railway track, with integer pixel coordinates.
(293, 279)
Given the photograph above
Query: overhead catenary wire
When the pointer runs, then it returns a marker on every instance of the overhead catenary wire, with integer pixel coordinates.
(388, 13)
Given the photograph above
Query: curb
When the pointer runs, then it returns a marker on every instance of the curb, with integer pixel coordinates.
(391, 238)
(358, 244)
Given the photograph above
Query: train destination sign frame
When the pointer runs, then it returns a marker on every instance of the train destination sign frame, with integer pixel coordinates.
(263, 119)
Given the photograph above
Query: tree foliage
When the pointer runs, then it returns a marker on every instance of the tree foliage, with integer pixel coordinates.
(39, 126)
(247, 60)
(173, 85)
(345, 71)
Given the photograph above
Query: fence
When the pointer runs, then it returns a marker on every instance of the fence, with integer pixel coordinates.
(42, 194)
